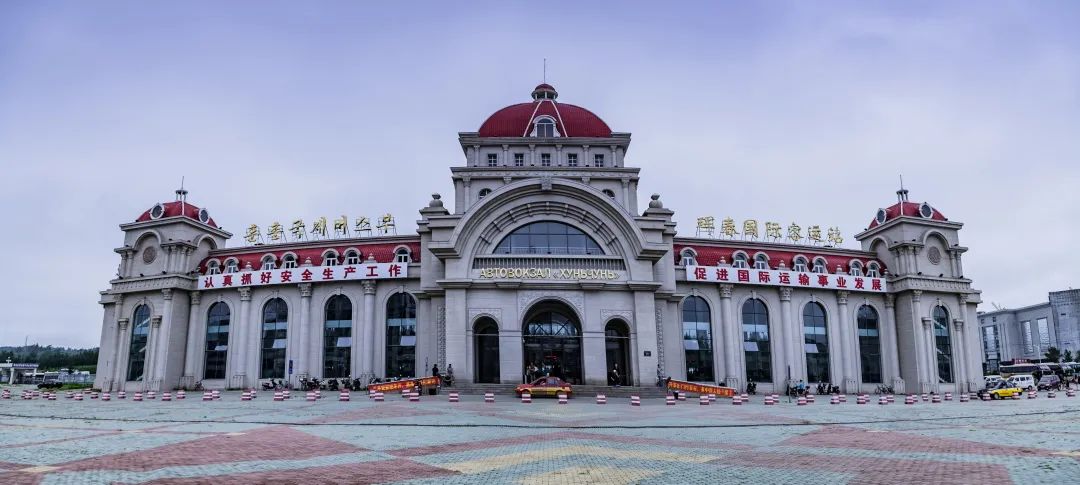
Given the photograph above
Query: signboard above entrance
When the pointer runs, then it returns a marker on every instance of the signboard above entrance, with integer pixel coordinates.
(548, 274)
(780, 277)
(305, 274)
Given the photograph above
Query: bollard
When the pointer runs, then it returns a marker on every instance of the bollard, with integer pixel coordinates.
(181, 394)
(166, 396)
(965, 397)
(278, 396)
(862, 399)
(414, 397)
(712, 398)
(801, 401)
(833, 400)
(379, 397)
(669, 400)
(635, 400)
(1070, 393)
(882, 401)
(216, 394)
(909, 399)
(207, 396)
(1051, 394)
(245, 396)
(69, 395)
(843, 398)
(78, 397)
(121, 395)
(563, 398)
(736, 400)
(138, 397)
(769, 400)
(601, 399)
(925, 397)
(52, 397)
(310, 396)
(343, 396)
(745, 397)
(809, 398)
(104, 396)
(453, 397)
(526, 398)
(936, 399)
(682, 396)
(489, 397)
(93, 395)
(1032, 394)
(704, 400)
(318, 394)
(890, 398)
(150, 395)
(948, 396)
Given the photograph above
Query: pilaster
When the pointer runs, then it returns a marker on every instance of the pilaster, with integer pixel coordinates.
(733, 376)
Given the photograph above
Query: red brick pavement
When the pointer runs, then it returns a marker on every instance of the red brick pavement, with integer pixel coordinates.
(873, 470)
(846, 437)
(355, 473)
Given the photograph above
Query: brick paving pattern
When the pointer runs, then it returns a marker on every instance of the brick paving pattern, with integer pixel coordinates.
(435, 442)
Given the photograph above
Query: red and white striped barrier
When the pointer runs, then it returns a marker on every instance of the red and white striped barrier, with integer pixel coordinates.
(909, 399)
(682, 396)
(454, 397)
(704, 400)
(216, 394)
(601, 399)
(245, 396)
(669, 400)
(986, 397)
(207, 396)
(769, 401)
(414, 397)
(809, 398)
(6, 394)
(635, 400)
(181, 394)
(310, 396)
(843, 397)
(563, 398)
(68, 395)
(1051, 394)
(745, 397)
(121, 395)
(936, 399)
(736, 400)
(890, 398)
(318, 394)
(862, 399)
(93, 395)
(948, 396)
(883, 401)
(801, 401)
(278, 396)
(343, 396)
(1070, 393)
(379, 397)
(925, 397)
(834, 399)
(52, 397)
(489, 397)
(150, 395)
(526, 398)
(1032, 394)
(104, 396)
(166, 396)
(965, 397)
(138, 397)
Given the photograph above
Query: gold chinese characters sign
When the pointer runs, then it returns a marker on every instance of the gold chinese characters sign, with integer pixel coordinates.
(320, 229)
(796, 234)
(548, 274)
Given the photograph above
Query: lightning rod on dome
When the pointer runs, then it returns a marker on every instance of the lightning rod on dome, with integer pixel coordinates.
(545, 70)
(181, 195)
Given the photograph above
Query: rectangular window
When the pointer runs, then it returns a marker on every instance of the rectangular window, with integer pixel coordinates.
(545, 159)
(519, 159)
(598, 160)
(493, 160)
(1044, 335)
(1029, 345)
(990, 343)
(571, 160)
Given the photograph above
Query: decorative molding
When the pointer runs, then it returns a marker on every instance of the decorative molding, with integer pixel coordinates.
(841, 297)
(245, 293)
(495, 313)
(626, 315)
(123, 323)
(890, 300)
(196, 297)
(527, 298)
(785, 293)
(129, 286)
(963, 299)
(369, 287)
(916, 295)
(155, 321)
(726, 290)
(659, 340)
(305, 290)
(166, 293)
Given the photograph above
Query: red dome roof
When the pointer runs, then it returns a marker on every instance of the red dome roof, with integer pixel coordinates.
(176, 208)
(517, 120)
(908, 209)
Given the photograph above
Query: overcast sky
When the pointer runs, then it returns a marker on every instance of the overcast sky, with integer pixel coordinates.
(801, 111)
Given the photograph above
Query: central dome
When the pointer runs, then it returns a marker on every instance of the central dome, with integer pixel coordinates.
(570, 121)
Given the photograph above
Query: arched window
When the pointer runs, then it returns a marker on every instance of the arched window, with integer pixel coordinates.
(801, 264)
(761, 261)
(337, 337)
(610, 193)
(401, 336)
(738, 260)
(819, 265)
(697, 339)
(545, 128)
(483, 193)
(855, 268)
(269, 262)
(289, 261)
(213, 267)
(755, 325)
(330, 258)
(140, 332)
(944, 344)
(548, 237)
(873, 270)
(689, 257)
(816, 340)
(217, 341)
(231, 265)
(869, 344)
(402, 255)
(275, 325)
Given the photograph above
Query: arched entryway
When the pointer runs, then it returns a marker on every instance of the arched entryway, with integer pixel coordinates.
(551, 343)
(617, 345)
(486, 348)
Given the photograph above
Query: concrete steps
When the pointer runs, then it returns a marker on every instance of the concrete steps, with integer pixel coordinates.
(579, 390)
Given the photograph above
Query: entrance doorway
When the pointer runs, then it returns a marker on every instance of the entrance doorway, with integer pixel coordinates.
(486, 348)
(551, 343)
(617, 345)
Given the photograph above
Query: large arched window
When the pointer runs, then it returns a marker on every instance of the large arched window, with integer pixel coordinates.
(275, 325)
(140, 332)
(337, 337)
(944, 344)
(869, 344)
(816, 340)
(755, 326)
(697, 339)
(401, 336)
(548, 238)
(217, 340)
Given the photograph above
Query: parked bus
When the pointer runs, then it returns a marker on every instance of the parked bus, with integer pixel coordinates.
(1008, 371)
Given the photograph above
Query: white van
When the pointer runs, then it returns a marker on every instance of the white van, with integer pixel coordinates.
(1023, 381)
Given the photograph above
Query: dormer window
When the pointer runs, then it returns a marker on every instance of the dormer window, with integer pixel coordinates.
(269, 262)
(800, 264)
(689, 257)
(855, 268)
(402, 255)
(352, 257)
(761, 261)
(213, 268)
(231, 266)
(288, 262)
(545, 128)
(873, 270)
(519, 159)
(493, 160)
(598, 160)
(330, 258)
(739, 260)
(571, 159)
(545, 159)
(819, 265)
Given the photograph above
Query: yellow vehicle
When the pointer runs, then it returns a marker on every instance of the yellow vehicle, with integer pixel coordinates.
(1004, 390)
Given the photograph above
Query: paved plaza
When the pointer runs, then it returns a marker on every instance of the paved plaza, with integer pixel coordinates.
(436, 442)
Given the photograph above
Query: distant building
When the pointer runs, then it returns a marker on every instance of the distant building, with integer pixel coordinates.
(1025, 333)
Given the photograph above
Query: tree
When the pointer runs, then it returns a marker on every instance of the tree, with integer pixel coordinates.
(1053, 354)
(1067, 356)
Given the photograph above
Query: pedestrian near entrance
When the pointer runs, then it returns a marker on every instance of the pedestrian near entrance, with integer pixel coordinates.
(435, 370)
(450, 374)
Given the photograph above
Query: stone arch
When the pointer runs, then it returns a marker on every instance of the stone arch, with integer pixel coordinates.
(552, 340)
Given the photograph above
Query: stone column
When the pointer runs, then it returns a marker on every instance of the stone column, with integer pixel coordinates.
(191, 353)
(122, 343)
(918, 334)
(626, 194)
(150, 380)
(789, 338)
(238, 341)
(929, 351)
(718, 331)
(959, 356)
(505, 158)
(889, 347)
(847, 347)
(304, 357)
(161, 344)
(369, 327)
(733, 375)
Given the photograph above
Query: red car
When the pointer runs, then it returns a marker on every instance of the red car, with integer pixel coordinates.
(545, 386)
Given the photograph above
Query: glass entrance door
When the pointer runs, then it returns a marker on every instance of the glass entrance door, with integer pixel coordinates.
(486, 347)
(617, 345)
(551, 341)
